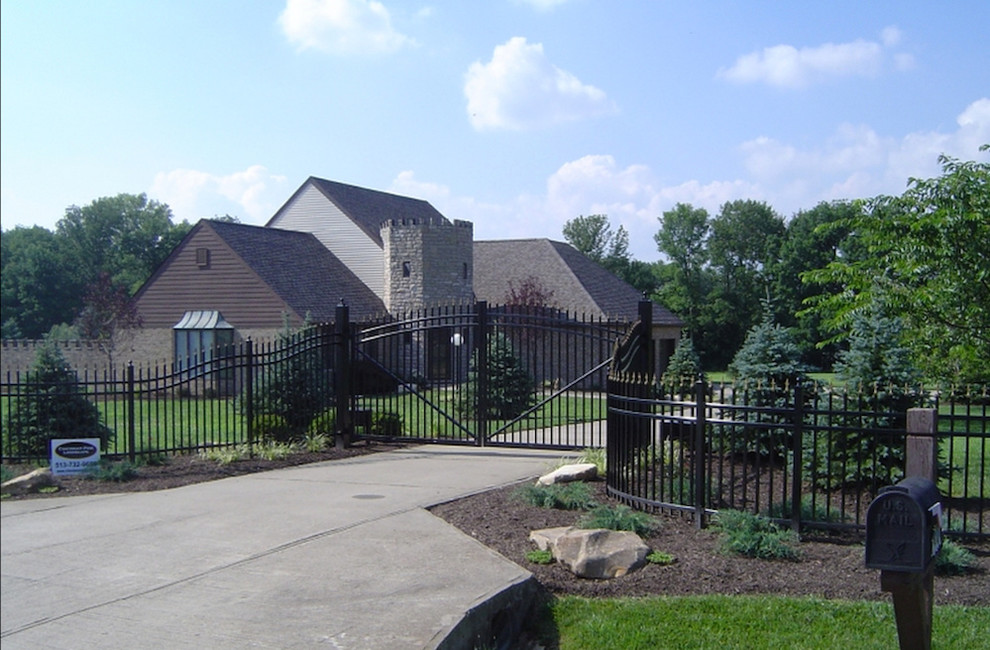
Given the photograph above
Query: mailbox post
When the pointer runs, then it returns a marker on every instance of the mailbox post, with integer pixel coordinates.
(903, 536)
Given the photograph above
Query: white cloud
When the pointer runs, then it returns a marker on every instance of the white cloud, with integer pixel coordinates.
(890, 36)
(542, 5)
(855, 162)
(251, 195)
(789, 67)
(341, 26)
(520, 89)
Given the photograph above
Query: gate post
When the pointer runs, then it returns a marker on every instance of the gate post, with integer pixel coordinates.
(131, 442)
(646, 318)
(481, 373)
(249, 390)
(701, 424)
(342, 376)
(797, 451)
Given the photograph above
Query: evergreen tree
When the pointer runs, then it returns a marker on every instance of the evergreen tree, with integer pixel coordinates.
(682, 371)
(295, 387)
(879, 375)
(53, 405)
(766, 370)
(511, 390)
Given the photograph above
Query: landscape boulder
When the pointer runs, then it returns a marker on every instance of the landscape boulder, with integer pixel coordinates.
(568, 473)
(593, 553)
(29, 483)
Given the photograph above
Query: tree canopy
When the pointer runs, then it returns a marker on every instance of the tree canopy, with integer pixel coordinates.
(927, 262)
(46, 275)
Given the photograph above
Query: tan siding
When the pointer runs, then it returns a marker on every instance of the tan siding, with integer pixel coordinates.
(311, 211)
(227, 285)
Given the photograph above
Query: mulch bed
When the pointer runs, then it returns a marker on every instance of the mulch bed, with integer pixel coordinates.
(188, 469)
(830, 566)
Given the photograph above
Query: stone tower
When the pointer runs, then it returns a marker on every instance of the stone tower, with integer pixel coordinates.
(427, 263)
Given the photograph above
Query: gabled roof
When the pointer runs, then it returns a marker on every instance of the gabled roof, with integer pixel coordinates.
(578, 284)
(369, 209)
(297, 267)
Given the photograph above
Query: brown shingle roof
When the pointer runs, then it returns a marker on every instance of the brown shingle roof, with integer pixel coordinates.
(300, 269)
(578, 284)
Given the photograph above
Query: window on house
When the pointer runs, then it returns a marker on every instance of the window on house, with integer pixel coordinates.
(203, 258)
(406, 269)
(199, 340)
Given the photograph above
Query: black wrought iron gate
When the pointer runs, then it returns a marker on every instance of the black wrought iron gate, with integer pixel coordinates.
(483, 375)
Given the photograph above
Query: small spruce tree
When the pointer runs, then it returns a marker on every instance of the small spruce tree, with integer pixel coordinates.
(295, 387)
(878, 373)
(683, 370)
(511, 390)
(765, 370)
(53, 405)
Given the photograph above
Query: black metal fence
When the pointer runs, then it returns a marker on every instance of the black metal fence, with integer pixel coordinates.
(487, 375)
(471, 374)
(228, 396)
(812, 455)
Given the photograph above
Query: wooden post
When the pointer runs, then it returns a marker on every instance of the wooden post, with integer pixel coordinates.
(921, 456)
(914, 593)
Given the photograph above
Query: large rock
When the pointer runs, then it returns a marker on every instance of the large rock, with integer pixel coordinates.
(594, 553)
(29, 483)
(568, 473)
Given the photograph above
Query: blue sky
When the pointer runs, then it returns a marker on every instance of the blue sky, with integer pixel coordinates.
(516, 115)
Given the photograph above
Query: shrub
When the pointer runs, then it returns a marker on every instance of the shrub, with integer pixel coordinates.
(323, 422)
(539, 557)
(114, 472)
(810, 511)
(620, 518)
(743, 533)
(511, 390)
(316, 441)
(271, 427)
(386, 424)
(296, 386)
(575, 495)
(225, 455)
(953, 559)
(595, 456)
(53, 406)
(273, 450)
(661, 558)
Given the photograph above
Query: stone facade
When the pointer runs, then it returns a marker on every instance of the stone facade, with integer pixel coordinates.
(150, 349)
(427, 263)
(18, 355)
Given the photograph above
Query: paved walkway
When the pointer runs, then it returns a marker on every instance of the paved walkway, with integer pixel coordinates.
(332, 555)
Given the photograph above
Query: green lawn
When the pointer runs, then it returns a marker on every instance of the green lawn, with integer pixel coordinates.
(175, 423)
(750, 622)
(420, 418)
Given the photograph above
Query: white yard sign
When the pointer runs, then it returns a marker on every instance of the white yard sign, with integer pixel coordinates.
(74, 455)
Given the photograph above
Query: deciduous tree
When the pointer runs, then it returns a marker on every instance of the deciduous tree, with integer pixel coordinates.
(927, 262)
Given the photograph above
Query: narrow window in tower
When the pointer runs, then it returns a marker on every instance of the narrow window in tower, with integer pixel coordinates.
(406, 269)
(465, 270)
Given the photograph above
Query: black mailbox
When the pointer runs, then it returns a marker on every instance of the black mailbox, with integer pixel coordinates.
(904, 526)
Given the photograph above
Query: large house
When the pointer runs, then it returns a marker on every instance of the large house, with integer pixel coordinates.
(380, 253)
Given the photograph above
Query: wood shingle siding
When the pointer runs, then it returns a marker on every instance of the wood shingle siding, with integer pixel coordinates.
(254, 276)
